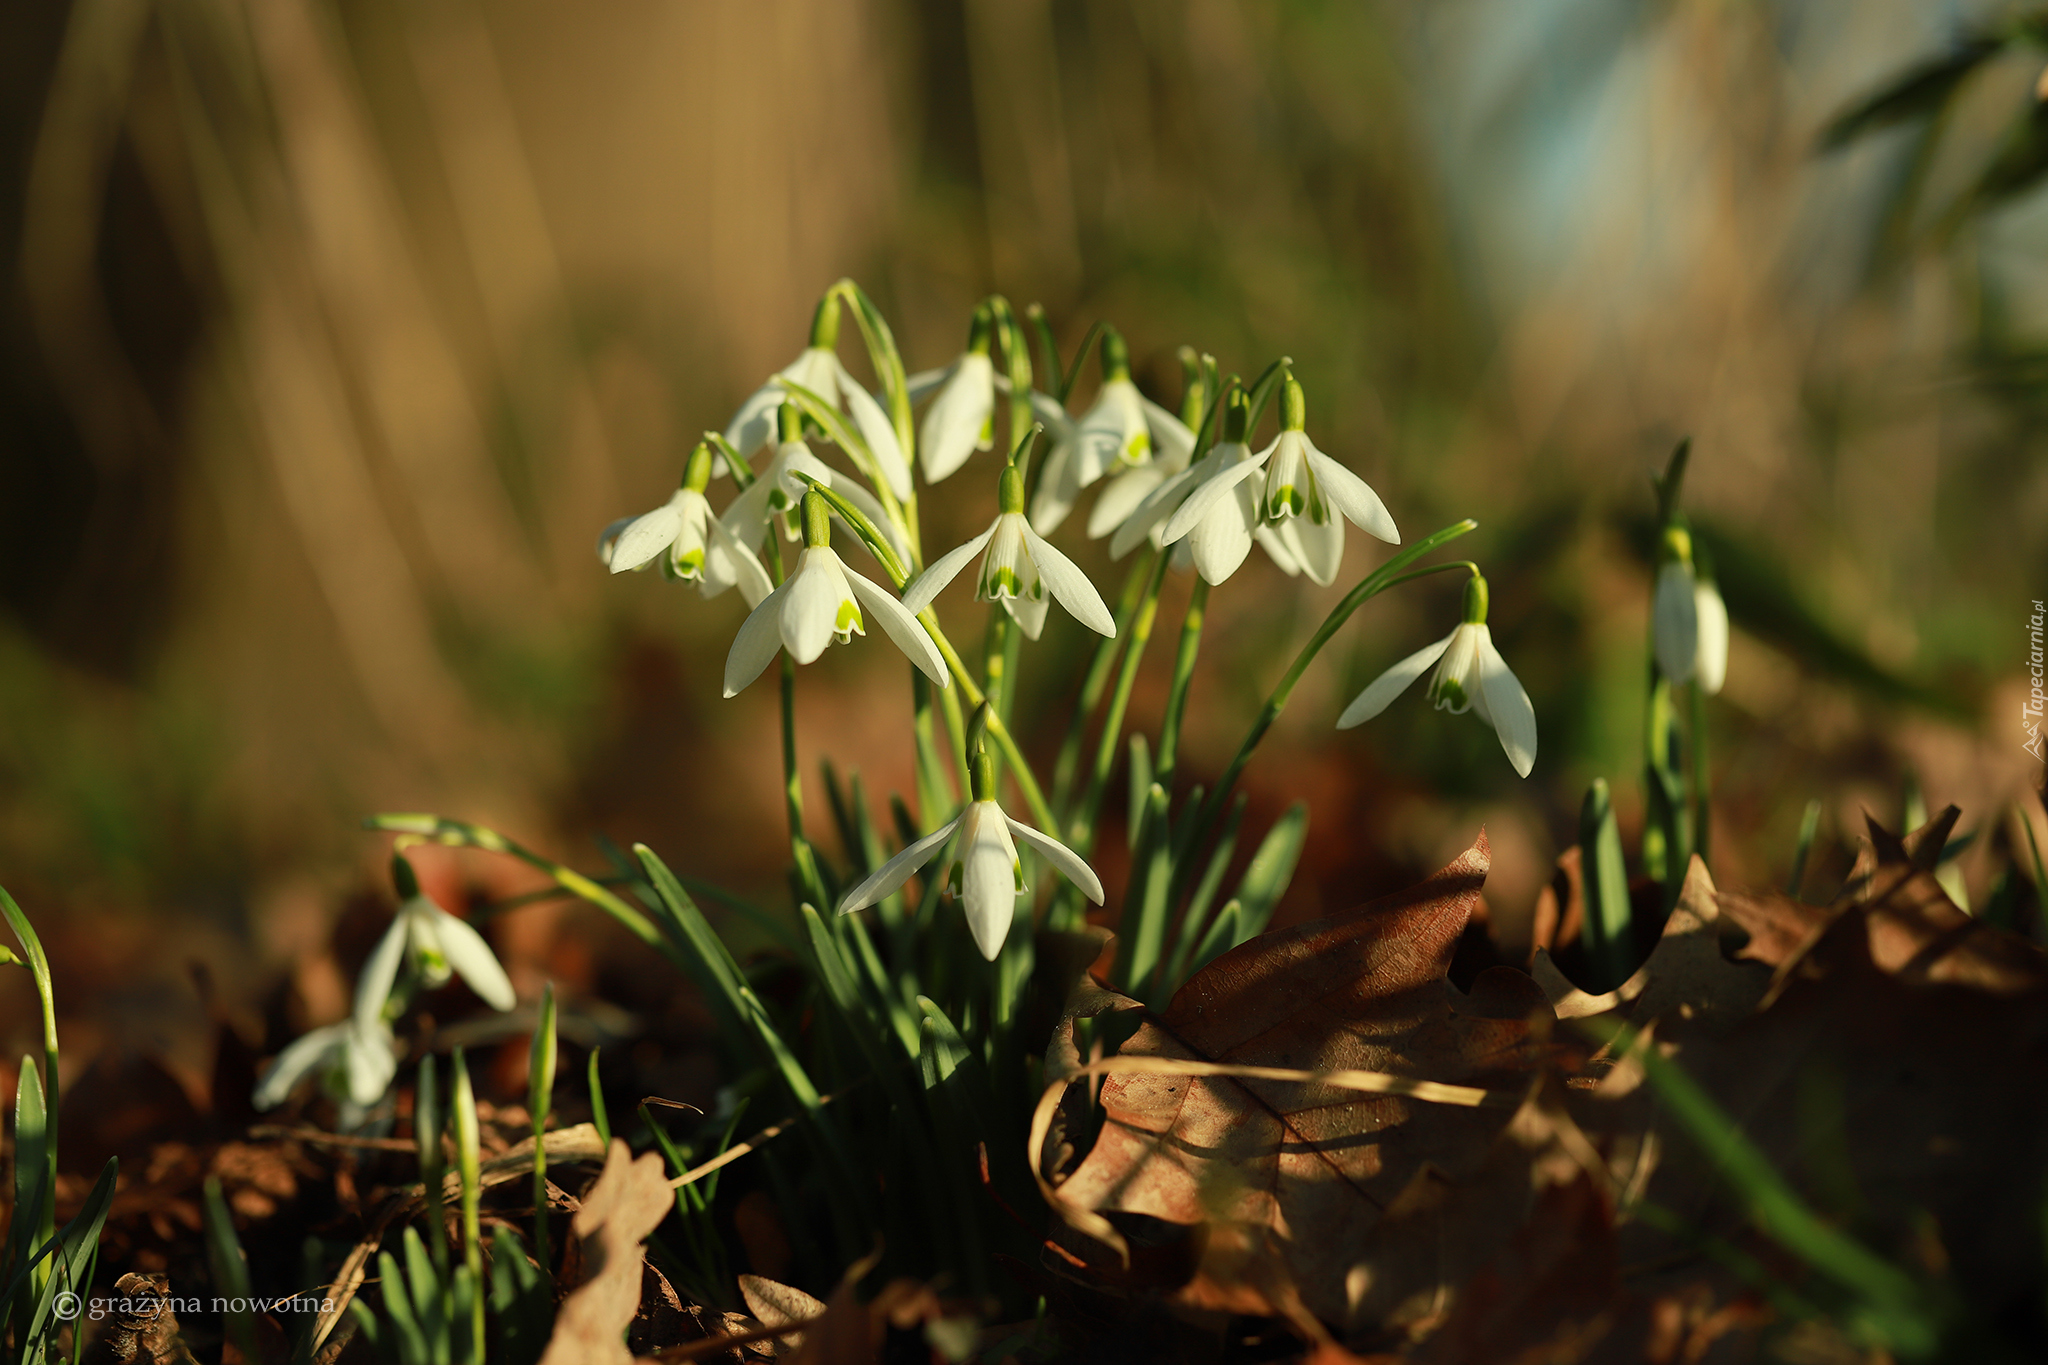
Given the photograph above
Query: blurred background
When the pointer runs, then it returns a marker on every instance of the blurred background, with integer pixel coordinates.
(333, 331)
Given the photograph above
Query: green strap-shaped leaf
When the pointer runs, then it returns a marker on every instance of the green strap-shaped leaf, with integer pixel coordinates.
(1271, 869)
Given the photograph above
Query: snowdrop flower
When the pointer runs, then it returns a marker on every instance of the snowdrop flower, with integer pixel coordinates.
(355, 1060)
(961, 419)
(1710, 666)
(1674, 613)
(440, 946)
(819, 370)
(1213, 509)
(1058, 486)
(1309, 496)
(1123, 433)
(1470, 675)
(820, 601)
(776, 491)
(1018, 569)
(688, 540)
(985, 872)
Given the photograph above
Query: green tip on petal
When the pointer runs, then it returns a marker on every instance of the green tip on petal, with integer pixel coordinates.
(817, 521)
(1449, 695)
(1475, 601)
(1293, 406)
(1010, 491)
(825, 323)
(1116, 357)
(1677, 545)
(697, 472)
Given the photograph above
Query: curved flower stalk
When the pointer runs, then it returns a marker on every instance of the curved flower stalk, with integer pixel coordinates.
(961, 419)
(688, 540)
(819, 602)
(985, 873)
(1470, 675)
(1019, 568)
(356, 1062)
(819, 369)
(1309, 496)
(776, 491)
(440, 946)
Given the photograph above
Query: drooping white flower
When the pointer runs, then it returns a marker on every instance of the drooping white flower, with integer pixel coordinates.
(440, 946)
(1213, 510)
(1021, 570)
(961, 419)
(688, 540)
(985, 871)
(1470, 675)
(357, 1061)
(1674, 612)
(820, 601)
(1309, 496)
(1123, 433)
(776, 491)
(819, 370)
(1711, 663)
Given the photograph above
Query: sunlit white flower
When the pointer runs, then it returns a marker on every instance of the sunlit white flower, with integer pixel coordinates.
(1309, 496)
(688, 540)
(1059, 477)
(1711, 663)
(357, 1062)
(1213, 510)
(1470, 675)
(822, 601)
(1019, 570)
(776, 491)
(440, 946)
(985, 872)
(1122, 432)
(1674, 613)
(961, 419)
(819, 370)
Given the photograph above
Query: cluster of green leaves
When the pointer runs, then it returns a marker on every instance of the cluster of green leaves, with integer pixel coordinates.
(47, 1270)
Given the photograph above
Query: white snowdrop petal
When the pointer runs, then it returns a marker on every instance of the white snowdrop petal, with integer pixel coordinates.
(1675, 622)
(753, 426)
(876, 429)
(1058, 488)
(1172, 442)
(870, 507)
(1381, 691)
(647, 536)
(924, 381)
(607, 539)
(1221, 540)
(1319, 548)
(988, 879)
(1066, 582)
(920, 591)
(901, 627)
(813, 607)
(1064, 860)
(1276, 550)
(1352, 496)
(473, 960)
(727, 562)
(380, 972)
(1514, 719)
(1158, 505)
(1207, 497)
(758, 639)
(884, 880)
(371, 1064)
(1122, 496)
(1029, 613)
(1711, 615)
(301, 1056)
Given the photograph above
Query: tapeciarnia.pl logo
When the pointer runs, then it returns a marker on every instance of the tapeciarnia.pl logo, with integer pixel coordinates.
(2030, 712)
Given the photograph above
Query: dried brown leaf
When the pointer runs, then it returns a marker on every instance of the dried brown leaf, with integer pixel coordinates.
(628, 1202)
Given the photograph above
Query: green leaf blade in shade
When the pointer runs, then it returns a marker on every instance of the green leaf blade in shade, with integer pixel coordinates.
(1919, 92)
(1609, 936)
(1270, 872)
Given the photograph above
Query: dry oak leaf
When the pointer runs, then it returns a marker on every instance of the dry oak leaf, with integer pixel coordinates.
(1308, 1194)
(627, 1203)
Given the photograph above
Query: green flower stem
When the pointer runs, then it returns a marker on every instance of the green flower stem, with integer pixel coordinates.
(1081, 829)
(469, 1163)
(462, 834)
(540, 1095)
(1093, 682)
(1697, 734)
(995, 659)
(38, 964)
(1386, 576)
(937, 792)
(792, 777)
(1183, 674)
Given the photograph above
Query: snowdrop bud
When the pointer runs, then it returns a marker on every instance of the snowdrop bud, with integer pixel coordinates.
(403, 879)
(1293, 406)
(1010, 492)
(1116, 357)
(825, 323)
(697, 473)
(1475, 601)
(817, 521)
(1237, 415)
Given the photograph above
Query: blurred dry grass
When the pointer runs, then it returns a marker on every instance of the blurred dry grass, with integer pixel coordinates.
(340, 328)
